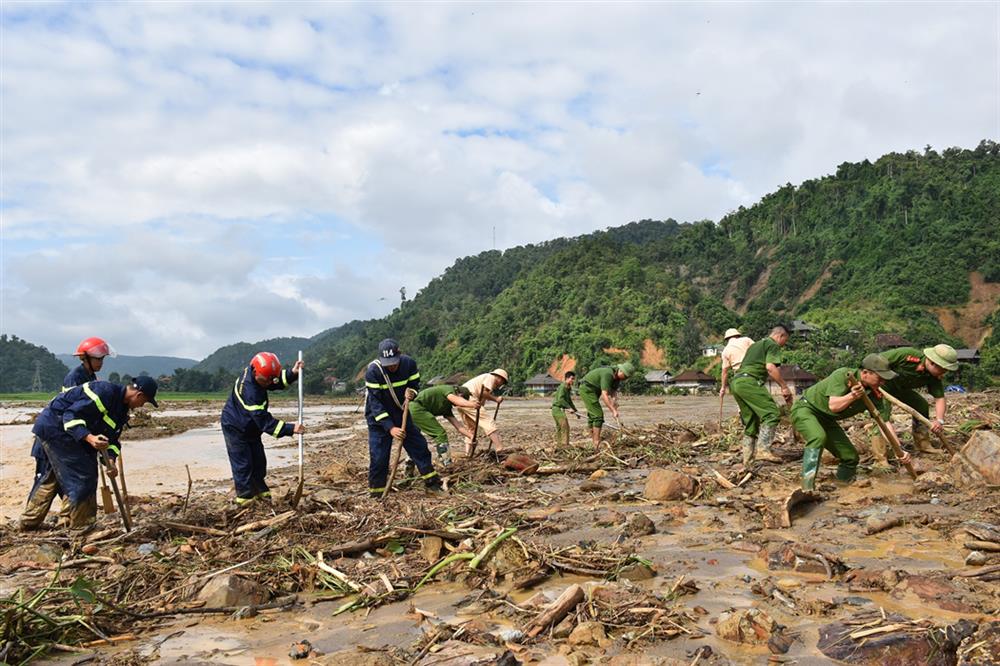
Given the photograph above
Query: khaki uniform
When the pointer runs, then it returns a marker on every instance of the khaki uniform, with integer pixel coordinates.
(736, 349)
(485, 383)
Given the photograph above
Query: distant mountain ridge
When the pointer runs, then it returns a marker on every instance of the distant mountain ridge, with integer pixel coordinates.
(133, 366)
(235, 357)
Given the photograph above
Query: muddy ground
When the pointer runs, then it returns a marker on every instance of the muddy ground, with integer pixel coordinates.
(708, 578)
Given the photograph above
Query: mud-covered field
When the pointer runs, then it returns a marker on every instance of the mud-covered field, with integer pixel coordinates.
(571, 564)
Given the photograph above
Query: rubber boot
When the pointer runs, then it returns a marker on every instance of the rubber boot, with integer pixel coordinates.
(409, 474)
(922, 439)
(845, 474)
(748, 446)
(810, 467)
(764, 439)
(880, 449)
(444, 453)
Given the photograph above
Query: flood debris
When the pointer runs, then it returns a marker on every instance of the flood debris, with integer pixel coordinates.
(874, 638)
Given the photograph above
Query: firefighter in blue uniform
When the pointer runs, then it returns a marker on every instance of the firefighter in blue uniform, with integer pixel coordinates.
(389, 379)
(245, 418)
(91, 353)
(72, 429)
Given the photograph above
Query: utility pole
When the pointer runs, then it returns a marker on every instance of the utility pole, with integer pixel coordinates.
(36, 382)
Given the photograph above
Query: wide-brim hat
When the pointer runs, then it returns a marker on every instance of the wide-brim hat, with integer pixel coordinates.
(501, 373)
(879, 365)
(625, 368)
(731, 333)
(943, 355)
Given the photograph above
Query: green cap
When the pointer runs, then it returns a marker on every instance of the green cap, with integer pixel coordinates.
(879, 365)
(625, 368)
(943, 355)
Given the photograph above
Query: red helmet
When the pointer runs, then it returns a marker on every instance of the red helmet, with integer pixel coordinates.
(95, 348)
(266, 365)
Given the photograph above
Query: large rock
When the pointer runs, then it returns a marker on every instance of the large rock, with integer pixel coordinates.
(29, 554)
(639, 525)
(665, 484)
(750, 625)
(232, 591)
(904, 647)
(979, 460)
(588, 633)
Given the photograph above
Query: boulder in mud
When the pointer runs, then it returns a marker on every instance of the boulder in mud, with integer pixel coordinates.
(979, 460)
(29, 554)
(430, 548)
(588, 633)
(336, 472)
(751, 626)
(230, 591)
(665, 484)
(937, 591)
(636, 571)
(639, 525)
(518, 462)
(982, 647)
(896, 642)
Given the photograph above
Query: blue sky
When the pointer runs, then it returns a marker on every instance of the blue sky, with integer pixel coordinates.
(175, 177)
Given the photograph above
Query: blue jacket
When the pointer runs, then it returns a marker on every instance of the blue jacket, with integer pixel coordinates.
(77, 376)
(95, 408)
(246, 409)
(380, 409)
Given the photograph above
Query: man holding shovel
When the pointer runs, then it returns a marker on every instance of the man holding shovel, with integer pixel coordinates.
(483, 388)
(833, 399)
(245, 418)
(73, 429)
(391, 380)
(561, 401)
(917, 370)
(602, 384)
(759, 414)
(440, 401)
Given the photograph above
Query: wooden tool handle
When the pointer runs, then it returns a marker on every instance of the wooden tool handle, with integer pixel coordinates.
(397, 445)
(920, 417)
(126, 521)
(890, 436)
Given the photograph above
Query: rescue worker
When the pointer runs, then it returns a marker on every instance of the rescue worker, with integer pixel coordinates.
(389, 380)
(815, 416)
(759, 414)
(732, 356)
(245, 418)
(91, 353)
(482, 389)
(602, 384)
(439, 401)
(916, 370)
(72, 429)
(561, 401)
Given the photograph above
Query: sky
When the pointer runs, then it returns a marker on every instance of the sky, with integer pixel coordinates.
(175, 177)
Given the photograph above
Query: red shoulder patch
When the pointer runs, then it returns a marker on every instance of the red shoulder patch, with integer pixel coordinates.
(913, 359)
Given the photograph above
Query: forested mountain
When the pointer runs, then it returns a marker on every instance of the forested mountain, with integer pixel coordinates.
(233, 358)
(133, 366)
(889, 246)
(18, 360)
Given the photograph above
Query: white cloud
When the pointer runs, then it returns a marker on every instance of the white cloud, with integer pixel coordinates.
(306, 160)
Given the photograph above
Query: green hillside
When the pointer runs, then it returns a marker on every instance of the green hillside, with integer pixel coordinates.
(233, 358)
(154, 366)
(869, 249)
(17, 366)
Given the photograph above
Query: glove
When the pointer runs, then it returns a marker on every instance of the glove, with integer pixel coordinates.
(410, 394)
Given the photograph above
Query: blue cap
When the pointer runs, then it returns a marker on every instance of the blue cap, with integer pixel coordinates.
(147, 385)
(388, 352)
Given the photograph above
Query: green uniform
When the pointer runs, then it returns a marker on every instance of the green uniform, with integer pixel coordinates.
(904, 361)
(591, 386)
(817, 423)
(757, 408)
(562, 401)
(429, 404)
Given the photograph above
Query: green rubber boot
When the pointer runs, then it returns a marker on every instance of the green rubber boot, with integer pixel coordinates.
(444, 454)
(748, 446)
(764, 440)
(810, 467)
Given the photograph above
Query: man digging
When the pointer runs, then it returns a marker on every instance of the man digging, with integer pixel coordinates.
(440, 401)
(758, 412)
(815, 416)
(561, 401)
(482, 389)
(601, 384)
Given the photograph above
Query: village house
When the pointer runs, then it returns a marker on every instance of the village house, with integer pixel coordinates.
(968, 356)
(801, 328)
(884, 341)
(694, 381)
(798, 380)
(542, 384)
(660, 378)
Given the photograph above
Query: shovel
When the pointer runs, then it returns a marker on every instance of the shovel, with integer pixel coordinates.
(302, 478)
(109, 504)
(398, 446)
(126, 521)
(889, 435)
(475, 428)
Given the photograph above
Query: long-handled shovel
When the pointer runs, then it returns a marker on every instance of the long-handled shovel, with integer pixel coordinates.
(302, 478)
(121, 477)
(398, 450)
(106, 501)
(722, 397)
(126, 521)
(920, 417)
(475, 428)
(889, 435)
